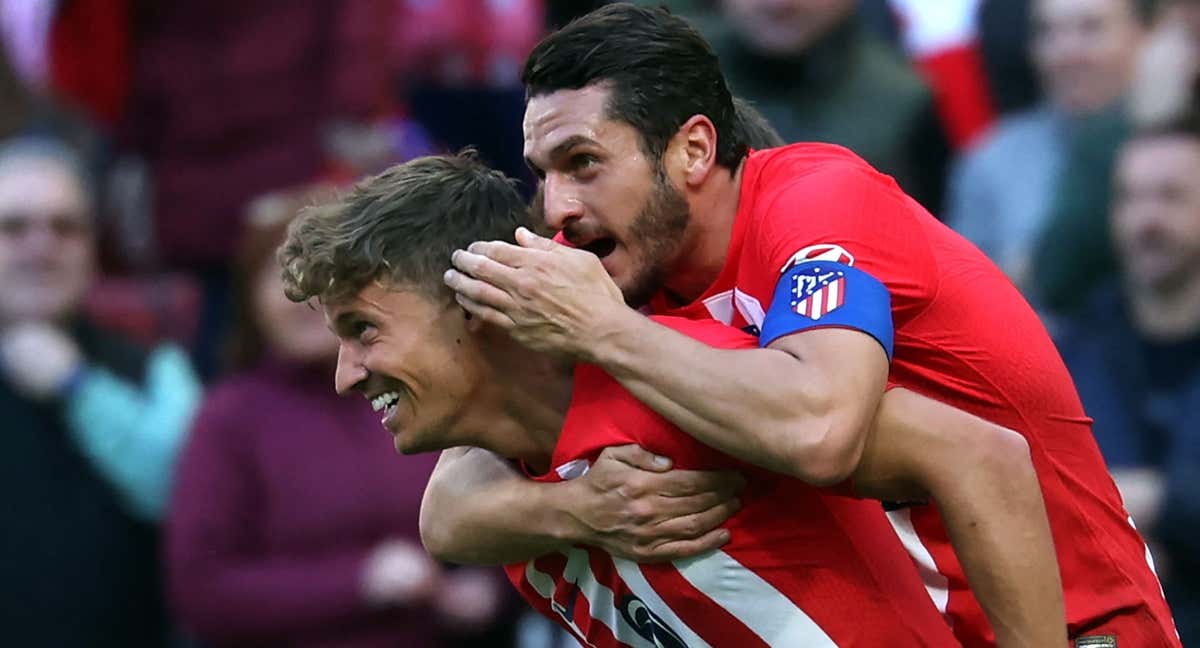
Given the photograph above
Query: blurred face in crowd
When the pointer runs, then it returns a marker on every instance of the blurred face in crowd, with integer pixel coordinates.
(602, 191)
(414, 358)
(293, 331)
(46, 245)
(1085, 51)
(785, 27)
(1156, 216)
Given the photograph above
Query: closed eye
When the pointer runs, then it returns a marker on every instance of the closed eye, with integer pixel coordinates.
(361, 330)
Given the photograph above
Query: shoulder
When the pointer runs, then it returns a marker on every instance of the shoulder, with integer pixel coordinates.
(804, 171)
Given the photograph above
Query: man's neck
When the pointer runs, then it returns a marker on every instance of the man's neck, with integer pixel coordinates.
(1167, 315)
(714, 210)
(525, 401)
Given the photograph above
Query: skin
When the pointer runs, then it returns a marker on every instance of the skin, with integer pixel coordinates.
(812, 420)
(1085, 51)
(1156, 215)
(47, 253)
(466, 384)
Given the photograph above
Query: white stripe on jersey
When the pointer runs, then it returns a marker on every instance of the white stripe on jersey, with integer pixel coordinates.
(935, 582)
(602, 605)
(753, 601)
(763, 609)
(637, 583)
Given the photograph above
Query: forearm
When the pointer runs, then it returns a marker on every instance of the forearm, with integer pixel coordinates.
(764, 406)
(985, 486)
(478, 510)
(997, 524)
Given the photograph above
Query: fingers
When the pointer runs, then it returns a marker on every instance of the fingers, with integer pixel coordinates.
(637, 457)
(479, 292)
(485, 313)
(530, 240)
(679, 549)
(477, 262)
(503, 253)
(673, 507)
(682, 483)
(697, 524)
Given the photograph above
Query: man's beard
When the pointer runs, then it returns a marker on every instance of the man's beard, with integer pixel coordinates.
(656, 234)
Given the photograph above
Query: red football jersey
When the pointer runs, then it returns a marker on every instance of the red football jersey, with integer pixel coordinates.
(804, 567)
(963, 335)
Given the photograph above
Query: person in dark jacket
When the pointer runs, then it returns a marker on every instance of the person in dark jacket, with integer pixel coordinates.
(91, 426)
(1135, 353)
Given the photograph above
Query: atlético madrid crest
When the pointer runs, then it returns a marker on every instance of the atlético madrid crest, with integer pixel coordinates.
(818, 290)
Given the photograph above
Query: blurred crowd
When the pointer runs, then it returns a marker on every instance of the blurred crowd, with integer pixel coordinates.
(175, 466)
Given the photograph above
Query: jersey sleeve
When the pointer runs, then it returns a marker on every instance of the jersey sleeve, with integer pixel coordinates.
(841, 246)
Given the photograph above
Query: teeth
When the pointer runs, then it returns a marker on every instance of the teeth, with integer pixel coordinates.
(384, 401)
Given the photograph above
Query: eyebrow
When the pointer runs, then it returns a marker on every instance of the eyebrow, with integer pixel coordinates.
(561, 149)
(342, 322)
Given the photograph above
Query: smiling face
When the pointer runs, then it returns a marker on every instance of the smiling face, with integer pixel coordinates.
(600, 188)
(412, 356)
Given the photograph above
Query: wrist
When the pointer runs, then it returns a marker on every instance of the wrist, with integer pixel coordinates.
(609, 345)
(560, 523)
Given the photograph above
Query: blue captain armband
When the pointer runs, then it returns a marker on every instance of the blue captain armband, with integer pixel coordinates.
(820, 294)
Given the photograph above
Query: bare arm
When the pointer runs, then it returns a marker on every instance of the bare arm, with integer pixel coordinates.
(801, 407)
(983, 481)
(477, 509)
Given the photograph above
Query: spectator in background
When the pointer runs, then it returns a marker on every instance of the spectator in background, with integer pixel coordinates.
(91, 426)
(459, 63)
(1065, 274)
(1165, 76)
(817, 74)
(293, 521)
(1001, 192)
(1134, 352)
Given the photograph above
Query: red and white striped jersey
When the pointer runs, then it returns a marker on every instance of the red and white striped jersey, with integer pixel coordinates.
(963, 336)
(804, 567)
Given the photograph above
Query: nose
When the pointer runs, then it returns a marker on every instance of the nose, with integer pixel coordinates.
(351, 371)
(560, 202)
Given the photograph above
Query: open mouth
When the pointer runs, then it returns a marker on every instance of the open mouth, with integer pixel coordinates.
(601, 247)
(386, 403)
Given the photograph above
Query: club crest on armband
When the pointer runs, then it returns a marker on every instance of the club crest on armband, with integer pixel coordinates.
(818, 291)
